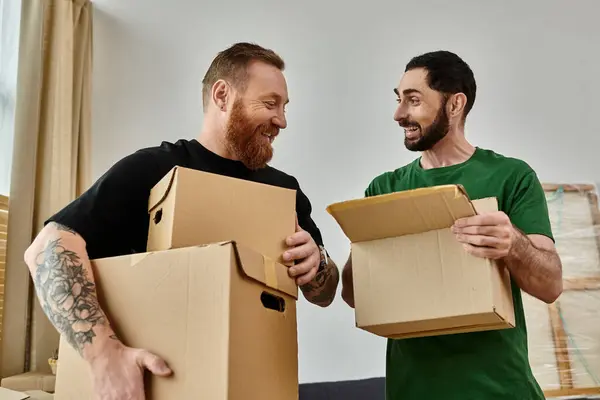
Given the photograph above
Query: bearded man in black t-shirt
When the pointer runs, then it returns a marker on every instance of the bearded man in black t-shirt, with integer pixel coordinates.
(244, 98)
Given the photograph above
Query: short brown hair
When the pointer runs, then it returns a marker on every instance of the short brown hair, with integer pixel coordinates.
(231, 64)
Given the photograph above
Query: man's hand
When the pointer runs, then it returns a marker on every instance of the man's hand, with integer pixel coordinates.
(304, 248)
(489, 235)
(532, 260)
(118, 372)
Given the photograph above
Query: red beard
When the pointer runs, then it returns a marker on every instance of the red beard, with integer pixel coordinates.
(246, 141)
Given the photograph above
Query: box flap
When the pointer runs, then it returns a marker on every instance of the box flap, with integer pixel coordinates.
(402, 213)
(253, 264)
(159, 192)
(265, 270)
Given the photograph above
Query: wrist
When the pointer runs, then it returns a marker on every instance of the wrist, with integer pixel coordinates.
(323, 259)
(104, 342)
(519, 245)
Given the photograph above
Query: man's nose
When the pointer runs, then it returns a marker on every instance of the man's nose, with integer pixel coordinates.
(400, 113)
(280, 121)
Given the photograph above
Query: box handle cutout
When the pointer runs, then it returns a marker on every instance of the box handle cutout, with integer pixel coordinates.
(158, 216)
(272, 302)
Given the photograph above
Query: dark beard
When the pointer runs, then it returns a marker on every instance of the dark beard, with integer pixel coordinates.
(245, 140)
(430, 136)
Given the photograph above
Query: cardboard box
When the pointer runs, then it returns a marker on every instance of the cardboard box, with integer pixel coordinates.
(8, 394)
(222, 315)
(30, 381)
(411, 276)
(189, 207)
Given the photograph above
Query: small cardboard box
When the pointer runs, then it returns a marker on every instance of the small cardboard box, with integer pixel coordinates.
(189, 207)
(30, 381)
(8, 394)
(411, 276)
(221, 315)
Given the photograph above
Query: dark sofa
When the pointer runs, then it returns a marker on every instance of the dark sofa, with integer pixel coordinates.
(363, 389)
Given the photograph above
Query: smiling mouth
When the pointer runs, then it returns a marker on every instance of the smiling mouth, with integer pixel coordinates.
(411, 132)
(270, 136)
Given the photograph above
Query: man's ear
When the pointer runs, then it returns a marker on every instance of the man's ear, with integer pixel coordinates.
(456, 104)
(220, 94)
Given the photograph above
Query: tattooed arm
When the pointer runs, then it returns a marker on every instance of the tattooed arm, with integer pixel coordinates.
(321, 290)
(318, 285)
(64, 283)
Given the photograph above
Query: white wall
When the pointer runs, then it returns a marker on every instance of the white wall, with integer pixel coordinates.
(10, 13)
(536, 64)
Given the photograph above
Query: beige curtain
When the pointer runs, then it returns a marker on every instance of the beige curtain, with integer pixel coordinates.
(50, 161)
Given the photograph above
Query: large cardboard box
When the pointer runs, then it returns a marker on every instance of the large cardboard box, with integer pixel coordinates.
(411, 276)
(222, 315)
(189, 207)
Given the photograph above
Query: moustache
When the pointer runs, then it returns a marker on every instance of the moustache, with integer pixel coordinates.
(405, 123)
(268, 129)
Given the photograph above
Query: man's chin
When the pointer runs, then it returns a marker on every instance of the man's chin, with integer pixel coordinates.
(258, 162)
(413, 145)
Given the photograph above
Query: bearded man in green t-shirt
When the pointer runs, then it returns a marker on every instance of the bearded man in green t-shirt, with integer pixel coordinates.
(434, 96)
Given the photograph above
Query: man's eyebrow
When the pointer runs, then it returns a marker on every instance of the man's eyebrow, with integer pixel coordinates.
(406, 92)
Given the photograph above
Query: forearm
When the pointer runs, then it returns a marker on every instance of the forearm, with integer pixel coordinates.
(321, 290)
(64, 283)
(347, 283)
(536, 271)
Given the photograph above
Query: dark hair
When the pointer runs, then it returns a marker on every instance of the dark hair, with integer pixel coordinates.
(231, 64)
(447, 73)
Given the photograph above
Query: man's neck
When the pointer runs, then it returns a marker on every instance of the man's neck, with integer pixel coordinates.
(453, 149)
(211, 140)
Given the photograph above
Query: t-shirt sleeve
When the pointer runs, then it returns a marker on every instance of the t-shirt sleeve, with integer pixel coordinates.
(529, 208)
(304, 210)
(117, 199)
(371, 189)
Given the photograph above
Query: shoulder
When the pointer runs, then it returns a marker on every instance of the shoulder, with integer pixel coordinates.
(178, 151)
(143, 166)
(511, 165)
(149, 164)
(139, 171)
(386, 180)
(275, 177)
(278, 177)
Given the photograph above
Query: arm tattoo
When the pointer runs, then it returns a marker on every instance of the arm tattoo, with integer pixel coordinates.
(322, 288)
(68, 295)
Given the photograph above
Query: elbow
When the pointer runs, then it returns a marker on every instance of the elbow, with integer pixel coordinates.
(32, 252)
(348, 298)
(348, 294)
(553, 292)
(38, 246)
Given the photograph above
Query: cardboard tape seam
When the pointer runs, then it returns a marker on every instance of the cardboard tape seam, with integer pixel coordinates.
(270, 273)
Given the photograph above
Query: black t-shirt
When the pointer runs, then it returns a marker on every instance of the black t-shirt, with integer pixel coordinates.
(112, 216)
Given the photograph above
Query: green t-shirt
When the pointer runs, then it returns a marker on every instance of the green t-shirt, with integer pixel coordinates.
(483, 365)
